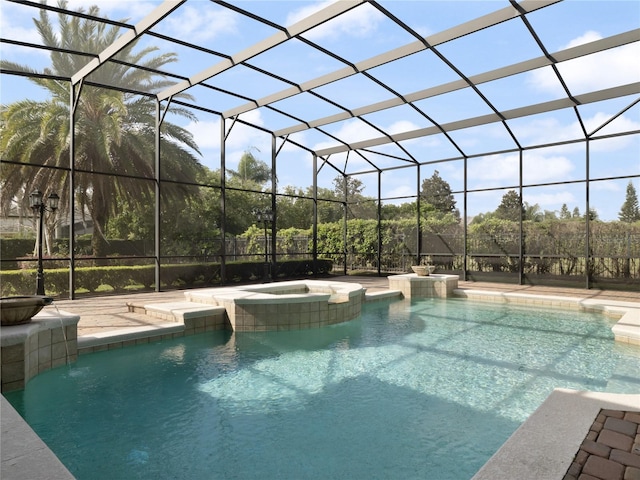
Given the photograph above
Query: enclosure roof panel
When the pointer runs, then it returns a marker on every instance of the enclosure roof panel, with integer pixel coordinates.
(396, 81)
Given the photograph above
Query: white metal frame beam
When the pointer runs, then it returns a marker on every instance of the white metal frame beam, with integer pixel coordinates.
(517, 68)
(461, 30)
(306, 24)
(129, 36)
(606, 94)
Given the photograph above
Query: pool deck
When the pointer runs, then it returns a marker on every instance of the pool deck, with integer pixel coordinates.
(105, 314)
(557, 442)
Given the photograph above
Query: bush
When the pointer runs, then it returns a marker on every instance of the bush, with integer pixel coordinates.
(123, 278)
(12, 248)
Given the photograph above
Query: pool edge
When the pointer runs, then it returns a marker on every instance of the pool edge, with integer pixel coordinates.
(544, 446)
(24, 453)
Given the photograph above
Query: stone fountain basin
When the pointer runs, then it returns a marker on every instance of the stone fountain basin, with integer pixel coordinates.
(19, 310)
(423, 270)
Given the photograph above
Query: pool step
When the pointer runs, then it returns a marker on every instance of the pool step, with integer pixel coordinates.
(179, 319)
(195, 316)
(383, 295)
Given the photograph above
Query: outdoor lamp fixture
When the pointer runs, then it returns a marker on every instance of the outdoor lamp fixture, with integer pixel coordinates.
(39, 206)
(266, 218)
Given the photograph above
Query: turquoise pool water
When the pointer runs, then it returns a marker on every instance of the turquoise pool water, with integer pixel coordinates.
(425, 390)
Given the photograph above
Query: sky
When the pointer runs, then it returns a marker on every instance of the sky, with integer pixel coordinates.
(363, 33)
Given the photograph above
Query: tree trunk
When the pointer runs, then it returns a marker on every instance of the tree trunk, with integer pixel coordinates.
(98, 240)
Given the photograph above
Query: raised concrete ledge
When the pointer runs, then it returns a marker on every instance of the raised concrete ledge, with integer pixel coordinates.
(48, 341)
(183, 310)
(45, 320)
(428, 286)
(297, 291)
(104, 339)
(382, 295)
(249, 298)
(24, 454)
(544, 446)
(626, 330)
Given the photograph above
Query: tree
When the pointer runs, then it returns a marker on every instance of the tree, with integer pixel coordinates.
(532, 212)
(576, 213)
(391, 211)
(510, 207)
(593, 214)
(549, 215)
(481, 217)
(250, 169)
(437, 192)
(115, 131)
(328, 211)
(630, 211)
(294, 211)
(565, 214)
(358, 205)
(354, 188)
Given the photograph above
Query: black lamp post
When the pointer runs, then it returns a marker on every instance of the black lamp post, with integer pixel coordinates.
(39, 206)
(266, 218)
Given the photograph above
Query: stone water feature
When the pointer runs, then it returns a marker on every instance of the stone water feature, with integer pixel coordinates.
(19, 310)
(414, 285)
(33, 340)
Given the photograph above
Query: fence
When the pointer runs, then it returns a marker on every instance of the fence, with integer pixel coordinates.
(614, 260)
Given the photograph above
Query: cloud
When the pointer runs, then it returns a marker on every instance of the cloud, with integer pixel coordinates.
(499, 169)
(241, 137)
(206, 134)
(353, 131)
(400, 191)
(598, 71)
(606, 186)
(540, 130)
(14, 25)
(116, 9)
(619, 125)
(588, 37)
(360, 22)
(539, 168)
(17, 53)
(350, 131)
(504, 169)
(550, 199)
(200, 24)
(402, 126)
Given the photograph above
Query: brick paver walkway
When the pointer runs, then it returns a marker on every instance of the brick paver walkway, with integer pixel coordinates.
(611, 449)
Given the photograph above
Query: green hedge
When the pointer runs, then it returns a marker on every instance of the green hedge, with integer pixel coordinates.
(131, 278)
(11, 248)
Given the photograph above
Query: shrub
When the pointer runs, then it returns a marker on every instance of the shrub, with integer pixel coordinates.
(122, 278)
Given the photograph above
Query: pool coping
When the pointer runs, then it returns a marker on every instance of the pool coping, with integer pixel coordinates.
(24, 454)
(626, 330)
(544, 446)
(627, 314)
(112, 339)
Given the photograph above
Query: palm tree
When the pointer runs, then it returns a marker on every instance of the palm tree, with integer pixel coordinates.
(114, 130)
(251, 170)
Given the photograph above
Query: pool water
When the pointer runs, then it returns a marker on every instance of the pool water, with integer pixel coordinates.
(427, 389)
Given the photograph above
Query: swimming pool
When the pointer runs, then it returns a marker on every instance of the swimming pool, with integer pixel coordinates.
(422, 389)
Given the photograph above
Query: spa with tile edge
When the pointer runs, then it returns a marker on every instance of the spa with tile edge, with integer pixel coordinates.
(285, 305)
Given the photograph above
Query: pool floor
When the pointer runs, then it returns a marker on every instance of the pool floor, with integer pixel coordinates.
(423, 389)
